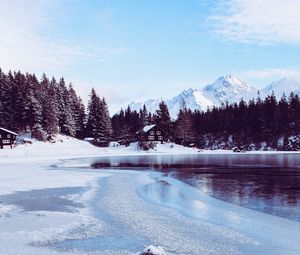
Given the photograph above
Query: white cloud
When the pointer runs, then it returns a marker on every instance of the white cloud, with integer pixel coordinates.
(293, 72)
(29, 41)
(257, 21)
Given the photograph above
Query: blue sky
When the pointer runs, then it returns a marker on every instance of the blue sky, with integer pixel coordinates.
(139, 49)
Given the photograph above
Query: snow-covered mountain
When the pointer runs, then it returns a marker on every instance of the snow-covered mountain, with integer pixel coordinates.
(225, 89)
(229, 88)
(285, 85)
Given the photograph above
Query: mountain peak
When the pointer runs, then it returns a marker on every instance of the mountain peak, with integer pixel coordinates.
(228, 82)
(231, 79)
(227, 89)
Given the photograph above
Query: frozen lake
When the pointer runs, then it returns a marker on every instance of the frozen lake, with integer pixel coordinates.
(170, 200)
(264, 182)
(127, 202)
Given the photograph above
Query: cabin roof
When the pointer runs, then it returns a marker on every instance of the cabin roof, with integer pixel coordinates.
(8, 131)
(148, 127)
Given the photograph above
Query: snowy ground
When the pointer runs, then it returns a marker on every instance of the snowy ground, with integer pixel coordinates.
(46, 210)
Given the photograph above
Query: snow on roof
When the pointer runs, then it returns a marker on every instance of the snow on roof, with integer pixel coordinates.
(8, 131)
(148, 127)
(89, 139)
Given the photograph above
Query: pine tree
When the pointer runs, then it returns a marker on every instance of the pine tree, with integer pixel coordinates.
(21, 102)
(117, 123)
(269, 111)
(60, 91)
(106, 129)
(92, 120)
(35, 118)
(78, 111)
(65, 112)
(294, 113)
(5, 105)
(34, 108)
(80, 119)
(144, 116)
(283, 116)
(11, 116)
(98, 123)
(50, 109)
(163, 120)
(128, 128)
(69, 125)
(185, 132)
(122, 130)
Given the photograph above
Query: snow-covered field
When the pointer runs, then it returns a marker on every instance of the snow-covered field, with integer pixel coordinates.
(56, 210)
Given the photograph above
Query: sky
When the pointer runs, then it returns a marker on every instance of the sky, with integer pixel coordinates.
(131, 50)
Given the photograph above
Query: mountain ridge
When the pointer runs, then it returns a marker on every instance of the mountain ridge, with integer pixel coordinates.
(228, 88)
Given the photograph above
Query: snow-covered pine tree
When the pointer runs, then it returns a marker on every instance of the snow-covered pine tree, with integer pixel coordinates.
(5, 106)
(10, 103)
(35, 109)
(60, 102)
(78, 112)
(21, 102)
(50, 111)
(64, 105)
(80, 120)
(98, 122)
(69, 125)
(92, 119)
(106, 125)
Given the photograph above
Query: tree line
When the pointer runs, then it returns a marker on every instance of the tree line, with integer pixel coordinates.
(47, 107)
(259, 124)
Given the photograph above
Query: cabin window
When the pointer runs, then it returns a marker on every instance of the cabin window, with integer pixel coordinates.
(6, 141)
(160, 138)
(158, 132)
(152, 133)
(151, 137)
(8, 135)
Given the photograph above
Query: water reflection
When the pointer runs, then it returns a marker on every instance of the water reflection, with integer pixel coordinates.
(271, 190)
(267, 182)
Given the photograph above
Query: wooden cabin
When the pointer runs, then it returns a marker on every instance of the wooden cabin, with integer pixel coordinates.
(7, 137)
(151, 133)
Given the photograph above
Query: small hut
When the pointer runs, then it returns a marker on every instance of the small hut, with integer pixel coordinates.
(7, 137)
(151, 133)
